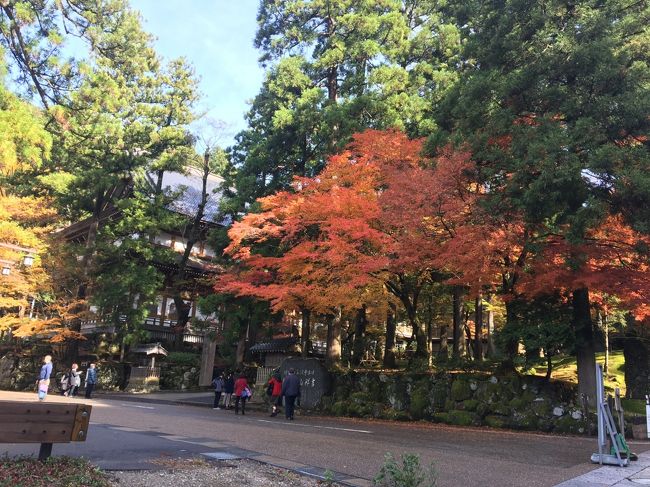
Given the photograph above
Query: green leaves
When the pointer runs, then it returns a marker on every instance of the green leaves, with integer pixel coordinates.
(549, 95)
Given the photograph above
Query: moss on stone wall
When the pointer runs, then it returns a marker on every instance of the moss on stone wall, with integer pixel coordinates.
(508, 401)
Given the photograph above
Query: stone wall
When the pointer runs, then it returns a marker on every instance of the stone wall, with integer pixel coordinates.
(510, 401)
(19, 373)
(178, 377)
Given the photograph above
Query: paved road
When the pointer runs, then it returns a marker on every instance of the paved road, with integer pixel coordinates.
(129, 434)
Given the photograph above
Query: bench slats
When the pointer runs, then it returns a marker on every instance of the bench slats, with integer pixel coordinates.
(35, 418)
(15, 407)
(35, 433)
(34, 422)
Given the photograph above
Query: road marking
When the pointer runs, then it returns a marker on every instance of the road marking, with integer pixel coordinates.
(126, 429)
(136, 406)
(315, 426)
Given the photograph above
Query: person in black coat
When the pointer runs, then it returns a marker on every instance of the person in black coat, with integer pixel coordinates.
(228, 389)
(290, 391)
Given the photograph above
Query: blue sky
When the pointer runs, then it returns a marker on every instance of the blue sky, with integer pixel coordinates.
(216, 36)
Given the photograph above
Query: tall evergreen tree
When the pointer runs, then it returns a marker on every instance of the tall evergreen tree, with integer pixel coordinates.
(554, 100)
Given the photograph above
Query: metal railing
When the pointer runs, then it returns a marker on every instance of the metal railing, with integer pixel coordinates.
(263, 374)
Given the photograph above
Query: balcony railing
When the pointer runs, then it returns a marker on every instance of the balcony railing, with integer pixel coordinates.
(158, 329)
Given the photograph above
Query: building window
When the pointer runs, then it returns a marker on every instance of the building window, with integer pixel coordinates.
(6, 271)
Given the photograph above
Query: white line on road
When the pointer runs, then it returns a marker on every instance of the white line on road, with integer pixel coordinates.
(136, 406)
(315, 426)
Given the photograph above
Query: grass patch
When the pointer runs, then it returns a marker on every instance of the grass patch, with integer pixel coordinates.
(633, 406)
(55, 472)
(565, 368)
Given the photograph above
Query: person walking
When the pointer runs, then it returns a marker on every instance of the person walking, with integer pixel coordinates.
(241, 394)
(75, 381)
(218, 384)
(65, 383)
(274, 391)
(44, 377)
(91, 380)
(290, 391)
(228, 389)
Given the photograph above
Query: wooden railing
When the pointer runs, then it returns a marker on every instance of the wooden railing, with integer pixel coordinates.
(143, 373)
(144, 379)
(158, 329)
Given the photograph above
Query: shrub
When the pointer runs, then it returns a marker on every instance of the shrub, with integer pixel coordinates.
(460, 418)
(407, 473)
(61, 471)
(183, 358)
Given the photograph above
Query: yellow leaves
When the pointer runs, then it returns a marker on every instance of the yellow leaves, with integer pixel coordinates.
(13, 233)
(24, 223)
(54, 326)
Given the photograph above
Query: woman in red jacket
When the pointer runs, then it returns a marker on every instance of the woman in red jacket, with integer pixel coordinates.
(242, 392)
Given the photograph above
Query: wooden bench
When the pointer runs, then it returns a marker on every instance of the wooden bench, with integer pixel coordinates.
(43, 422)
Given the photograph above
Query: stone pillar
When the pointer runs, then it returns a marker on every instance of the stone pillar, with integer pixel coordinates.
(207, 358)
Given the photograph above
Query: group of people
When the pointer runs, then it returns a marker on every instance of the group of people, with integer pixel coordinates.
(277, 389)
(70, 381)
(229, 387)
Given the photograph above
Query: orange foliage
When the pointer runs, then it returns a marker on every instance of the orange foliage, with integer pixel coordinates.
(612, 259)
(381, 209)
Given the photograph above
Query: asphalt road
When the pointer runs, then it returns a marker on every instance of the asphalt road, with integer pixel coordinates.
(128, 435)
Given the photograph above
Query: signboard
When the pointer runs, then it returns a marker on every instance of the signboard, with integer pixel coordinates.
(314, 379)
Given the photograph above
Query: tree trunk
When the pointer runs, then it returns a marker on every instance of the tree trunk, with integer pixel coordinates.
(490, 329)
(182, 317)
(122, 349)
(606, 333)
(305, 332)
(359, 345)
(637, 359)
(468, 340)
(478, 328)
(443, 351)
(585, 347)
(511, 344)
(549, 367)
(333, 354)
(457, 321)
(391, 329)
(430, 329)
(240, 352)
